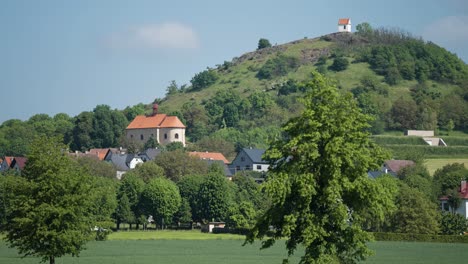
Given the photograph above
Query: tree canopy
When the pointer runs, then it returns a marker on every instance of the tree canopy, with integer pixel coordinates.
(50, 204)
(318, 182)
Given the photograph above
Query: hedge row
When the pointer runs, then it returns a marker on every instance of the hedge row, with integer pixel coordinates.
(398, 140)
(421, 237)
(429, 151)
(456, 141)
(227, 230)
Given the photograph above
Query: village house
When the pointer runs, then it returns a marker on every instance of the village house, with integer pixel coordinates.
(463, 207)
(344, 25)
(391, 167)
(163, 128)
(15, 163)
(249, 159)
(214, 158)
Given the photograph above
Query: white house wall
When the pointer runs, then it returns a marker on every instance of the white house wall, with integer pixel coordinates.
(261, 167)
(463, 208)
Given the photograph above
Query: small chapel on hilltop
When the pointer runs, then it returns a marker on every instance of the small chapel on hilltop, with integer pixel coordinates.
(344, 25)
(163, 128)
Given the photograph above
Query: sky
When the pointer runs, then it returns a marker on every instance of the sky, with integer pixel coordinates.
(69, 56)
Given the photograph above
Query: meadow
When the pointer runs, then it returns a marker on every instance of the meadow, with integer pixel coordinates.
(194, 247)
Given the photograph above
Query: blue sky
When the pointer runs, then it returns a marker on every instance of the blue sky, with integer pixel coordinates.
(69, 56)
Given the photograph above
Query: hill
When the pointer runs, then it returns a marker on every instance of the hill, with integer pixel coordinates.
(403, 81)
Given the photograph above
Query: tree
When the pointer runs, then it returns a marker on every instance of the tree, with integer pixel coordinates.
(364, 29)
(203, 79)
(318, 184)
(50, 206)
(263, 43)
(123, 212)
(416, 213)
(214, 198)
(132, 187)
(453, 224)
(189, 187)
(161, 199)
(177, 164)
(339, 64)
(173, 88)
(147, 171)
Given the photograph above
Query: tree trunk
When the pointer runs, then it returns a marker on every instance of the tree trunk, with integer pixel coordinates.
(118, 225)
(51, 260)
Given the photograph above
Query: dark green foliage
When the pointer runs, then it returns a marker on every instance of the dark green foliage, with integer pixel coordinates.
(151, 143)
(189, 188)
(263, 43)
(146, 171)
(227, 108)
(339, 64)
(288, 87)
(364, 29)
(320, 172)
(400, 151)
(396, 54)
(53, 198)
(395, 140)
(161, 199)
(453, 224)
(131, 112)
(416, 213)
(449, 178)
(132, 187)
(173, 146)
(177, 164)
(123, 212)
(277, 66)
(420, 237)
(96, 167)
(203, 79)
(214, 198)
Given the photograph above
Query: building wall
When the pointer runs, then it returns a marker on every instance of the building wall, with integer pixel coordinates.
(261, 167)
(344, 28)
(169, 135)
(463, 208)
(136, 134)
(420, 133)
(158, 134)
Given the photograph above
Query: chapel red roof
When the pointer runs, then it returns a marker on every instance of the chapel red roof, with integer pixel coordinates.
(155, 121)
(210, 156)
(9, 160)
(343, 21)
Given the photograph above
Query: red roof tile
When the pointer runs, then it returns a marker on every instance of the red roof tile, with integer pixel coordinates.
(155, 121)
(210, 156)
(100, 153)
(343, 21)
(9, 160)
(20, 161)
(172, 121)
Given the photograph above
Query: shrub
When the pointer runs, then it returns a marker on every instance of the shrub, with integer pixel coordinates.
(278, 66)
(339, 64)
(379, 236)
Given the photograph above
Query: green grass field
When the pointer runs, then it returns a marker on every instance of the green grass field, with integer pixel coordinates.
(434, 164)
(194, 247)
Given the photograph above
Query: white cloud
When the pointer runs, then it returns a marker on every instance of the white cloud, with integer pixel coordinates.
(448, 30)
(155, 37)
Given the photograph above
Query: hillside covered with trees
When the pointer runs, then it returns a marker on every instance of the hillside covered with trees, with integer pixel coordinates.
(404, 82)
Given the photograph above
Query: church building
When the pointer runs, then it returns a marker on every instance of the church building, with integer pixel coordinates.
(163, 128)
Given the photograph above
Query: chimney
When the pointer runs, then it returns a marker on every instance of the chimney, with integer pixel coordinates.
(155, 109)
(463, 186)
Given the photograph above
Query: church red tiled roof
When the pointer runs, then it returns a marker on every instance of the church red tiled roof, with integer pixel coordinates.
(343, 21)
(155, 121)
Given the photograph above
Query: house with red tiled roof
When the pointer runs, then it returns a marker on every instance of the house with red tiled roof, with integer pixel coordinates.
(391, 167)
(18, 163)
(463, 207)
(6, 163)
(209, 156)
(344, 25)
(163, 128)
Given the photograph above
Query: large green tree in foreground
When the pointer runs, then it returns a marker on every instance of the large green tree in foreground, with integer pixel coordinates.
(49, 212)
(318, 184)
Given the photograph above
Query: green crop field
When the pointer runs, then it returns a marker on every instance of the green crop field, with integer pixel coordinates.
(434, 164)
(194, 247)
